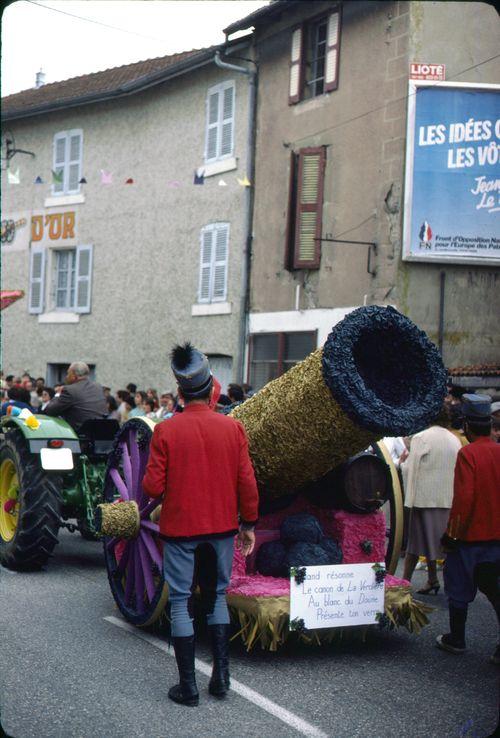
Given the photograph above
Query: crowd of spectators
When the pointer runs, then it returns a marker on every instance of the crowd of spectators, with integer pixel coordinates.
(25, 391)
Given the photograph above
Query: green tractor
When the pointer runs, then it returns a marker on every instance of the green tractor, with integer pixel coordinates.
(49, 475)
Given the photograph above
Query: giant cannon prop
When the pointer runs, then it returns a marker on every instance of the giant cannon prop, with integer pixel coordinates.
(376, 375)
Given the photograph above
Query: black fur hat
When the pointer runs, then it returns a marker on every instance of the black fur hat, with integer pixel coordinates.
(191, 370)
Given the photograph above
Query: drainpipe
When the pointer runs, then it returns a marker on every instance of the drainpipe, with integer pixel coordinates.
(442, 279)
(247, 254)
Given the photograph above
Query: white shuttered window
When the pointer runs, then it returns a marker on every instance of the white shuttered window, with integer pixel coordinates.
(37, 280)
(219, 138)
(214, 248)
(67, 162)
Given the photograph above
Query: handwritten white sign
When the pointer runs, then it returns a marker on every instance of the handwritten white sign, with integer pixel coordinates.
(335, 596)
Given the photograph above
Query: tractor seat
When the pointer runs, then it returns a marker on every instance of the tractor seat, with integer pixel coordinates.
(97, 436)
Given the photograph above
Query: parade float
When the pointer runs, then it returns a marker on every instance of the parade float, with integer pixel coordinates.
(314, 437)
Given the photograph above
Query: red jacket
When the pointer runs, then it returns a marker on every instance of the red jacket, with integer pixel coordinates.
(475, 511)
(199, 460)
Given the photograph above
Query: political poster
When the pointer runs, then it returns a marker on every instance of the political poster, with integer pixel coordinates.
(452, 187)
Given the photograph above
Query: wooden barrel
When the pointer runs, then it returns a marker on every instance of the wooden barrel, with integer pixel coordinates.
(361, 485)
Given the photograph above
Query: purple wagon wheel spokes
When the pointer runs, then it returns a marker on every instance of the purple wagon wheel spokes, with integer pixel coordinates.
(134, 461)
(130, 578)
(147, 571)
(154, 527)
(150, 506)
(138, 581)
(127, 468)
(142, 498)
(151, 548)
(122, 564)
(119, 484)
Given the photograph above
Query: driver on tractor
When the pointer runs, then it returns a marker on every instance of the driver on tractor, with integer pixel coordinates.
(80, 399)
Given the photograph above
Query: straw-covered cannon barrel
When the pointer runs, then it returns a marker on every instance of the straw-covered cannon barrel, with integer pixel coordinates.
(377, 375)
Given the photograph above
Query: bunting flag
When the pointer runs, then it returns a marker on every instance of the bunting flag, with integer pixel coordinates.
(38, 180)
(221, 183)
(82, 181)
(173, 183)
(245, 182)
(106, 177)
(199, 177)
(129, 181)
(57, 176)
(13, 177)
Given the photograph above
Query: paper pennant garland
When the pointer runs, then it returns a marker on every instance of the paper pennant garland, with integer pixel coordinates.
(199, 177)
(38, 180)
(82, 181)
(174, 183)
(57, 176)
(106, 177)
(13, 177)
(129, 181)
(221, 183)
(245, 182)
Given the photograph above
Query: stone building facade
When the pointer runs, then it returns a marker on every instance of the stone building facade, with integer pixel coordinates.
(337, 131)
(119, 252)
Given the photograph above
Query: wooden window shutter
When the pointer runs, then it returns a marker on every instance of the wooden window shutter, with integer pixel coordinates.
(332, 52)
(37, 280)
(59, 161)
(205, 264)
(309, 208)
(291, 212)
(227, 123)
(74, 161)
(296, 66)
(212, 125)
(220, 263)
(83, 279)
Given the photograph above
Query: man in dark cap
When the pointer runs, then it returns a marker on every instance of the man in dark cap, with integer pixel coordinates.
(199, 464)
(472, 540)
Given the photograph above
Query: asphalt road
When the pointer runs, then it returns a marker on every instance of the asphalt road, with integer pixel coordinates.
(66, 671)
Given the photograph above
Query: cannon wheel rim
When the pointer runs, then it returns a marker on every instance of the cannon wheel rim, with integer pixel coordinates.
(140, 596)
(395, 538)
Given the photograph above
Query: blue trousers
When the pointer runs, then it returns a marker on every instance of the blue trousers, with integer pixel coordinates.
(214, 560)
(461, 573)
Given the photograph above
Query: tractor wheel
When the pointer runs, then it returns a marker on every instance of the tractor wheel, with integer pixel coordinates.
(135, 567)
(30, 507)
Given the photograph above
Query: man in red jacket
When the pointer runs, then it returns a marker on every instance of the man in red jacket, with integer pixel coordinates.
(472, 540)
(199, 464)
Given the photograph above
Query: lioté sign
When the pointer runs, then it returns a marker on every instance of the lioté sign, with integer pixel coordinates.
(452, 187)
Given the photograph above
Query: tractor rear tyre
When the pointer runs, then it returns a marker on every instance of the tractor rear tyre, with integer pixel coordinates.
(28, 531)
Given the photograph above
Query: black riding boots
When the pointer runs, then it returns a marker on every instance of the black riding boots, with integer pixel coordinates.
(186, 692)
(219, 682)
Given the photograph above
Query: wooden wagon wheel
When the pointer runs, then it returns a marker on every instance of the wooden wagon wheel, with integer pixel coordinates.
(135, 566)
(394, 512)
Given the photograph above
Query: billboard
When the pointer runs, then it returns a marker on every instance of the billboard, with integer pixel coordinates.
(452, 184)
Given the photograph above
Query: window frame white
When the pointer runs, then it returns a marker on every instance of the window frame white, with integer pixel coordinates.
(68, 162)
(213, 228)
(219, 89)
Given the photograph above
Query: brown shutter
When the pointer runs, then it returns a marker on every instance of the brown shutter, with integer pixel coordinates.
(296, 66)
(307, 248)
(291, 212)
(332, 52)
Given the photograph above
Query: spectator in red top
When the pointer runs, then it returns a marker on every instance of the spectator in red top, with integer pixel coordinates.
(199, 464)
(473, 536)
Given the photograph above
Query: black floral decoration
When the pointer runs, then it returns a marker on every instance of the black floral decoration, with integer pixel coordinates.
(298, 573)
(366, 546)
(384, 372)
